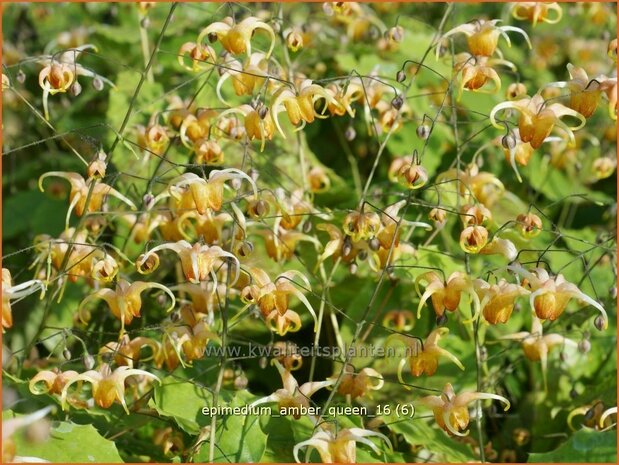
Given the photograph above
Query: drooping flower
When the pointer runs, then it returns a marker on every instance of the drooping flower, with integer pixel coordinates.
(79, 193)
(340, 447)
(451, 410)
(292, 395)
(272, 298)
(107, 386)
(14, 292)
(550, 295)
(125, 301)
(236, 37)
(483, 36)
(537, 346)
(201, 56)
(445, 295)
(537, 12)
(538, 118)
(354, 385)
(423, 358)
(497, 300)
(198, 261)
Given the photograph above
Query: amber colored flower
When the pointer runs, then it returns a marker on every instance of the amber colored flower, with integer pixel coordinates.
(451, 410)
(107, 386)
(272, 299)
(125, 301)
(550, 295)
(199, 54)
(354, 385)
(292, 395)
(128, 351)
(361, 225)
(604, 167)
(198, 261)
(236, 37)
(407, 172)
(473, 239)
(445, 295)
(497, 300)
(483, 36)
(537, 12)
(537, 346)
(538, 118)
(515, 91)
(423, 358)
(194, 192)
(153, 138)
(318, 180)
(79, 193)
(340, 447)
(15, 292)
(399, 320)
(529, 225)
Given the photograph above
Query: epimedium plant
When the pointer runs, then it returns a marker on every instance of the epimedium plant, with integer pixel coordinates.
(331, 232)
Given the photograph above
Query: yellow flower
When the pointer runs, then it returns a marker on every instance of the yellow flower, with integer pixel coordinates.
(354, 385)
(245, 77)
(451, 410)
(198, 261)
(445, 295)
(473, 239)
(107, 386)
(201, 56)
(483, 36)
(15, 292)
(537, 346)
(153, 138)
(537, 12)
(529, 225)
(127, 351)
(538, 118)
(476, 72)
(361, 225)
(79, 193)
(497, 300)
(194, 192)
(399, 320)
(236, 38)
(550, 296)
(340, 447)
(423, 358)
(272, 298)
(292, 395)
(408, 172)
(125, 301)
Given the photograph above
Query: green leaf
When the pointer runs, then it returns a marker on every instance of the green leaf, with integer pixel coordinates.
(418, 432)
(586, 445)
(68, 443)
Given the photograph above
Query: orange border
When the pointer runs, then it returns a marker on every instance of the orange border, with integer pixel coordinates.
(2, 2)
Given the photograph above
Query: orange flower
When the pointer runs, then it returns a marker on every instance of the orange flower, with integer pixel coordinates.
(498, 300)
(423, 358)
(15, 292)
(550, 296)
(125, 302)
(451, 410)
(538, 118)
(292, 395)
(537, 346)
(272, 298)
(340, 447)
(107, 386)
(236, 38)
(358, 385)
(200, 56)
(193, 192)
(537, 12)
(483, 36)
(445, 295)
(79, 193)
(198, 261)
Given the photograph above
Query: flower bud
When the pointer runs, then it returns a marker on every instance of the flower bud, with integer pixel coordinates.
(66, 353)
(350, 133)
(423, 131)
(438, 215)
(442, 320)
(600, 323)
(400, 76)
(88, 361)
(20, 77)
(584, 346)
(397, 101)
(240, 382)
(147, 263)
(353, 268)
(307, 226)
(97, 83)
(75, 89)
(508, 141)
(374, 244)
(145, 22)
